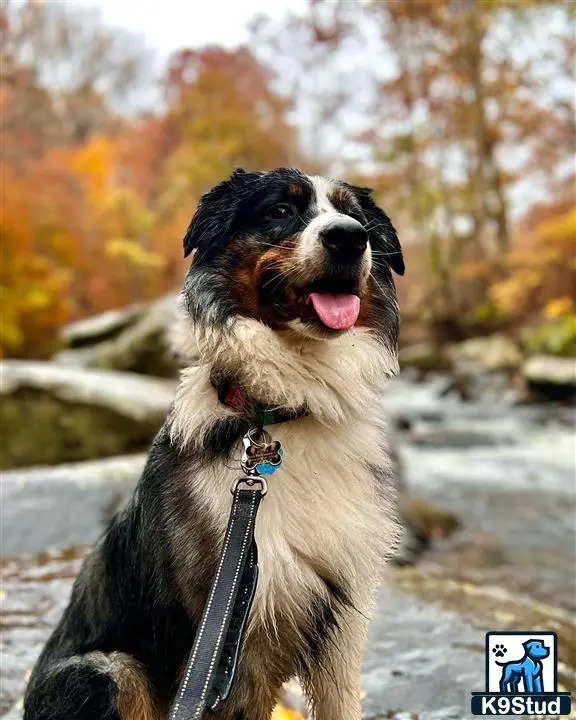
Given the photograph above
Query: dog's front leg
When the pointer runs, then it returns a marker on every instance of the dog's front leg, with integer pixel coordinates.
(334, 683)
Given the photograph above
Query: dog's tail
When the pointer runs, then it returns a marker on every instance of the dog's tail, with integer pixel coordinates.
(501, 663)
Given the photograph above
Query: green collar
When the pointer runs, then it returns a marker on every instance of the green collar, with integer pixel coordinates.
(233, 395)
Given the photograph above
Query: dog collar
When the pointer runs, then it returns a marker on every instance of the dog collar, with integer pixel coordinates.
(233, 395)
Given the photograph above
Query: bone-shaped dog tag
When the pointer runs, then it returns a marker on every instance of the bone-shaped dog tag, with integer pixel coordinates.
(262, 455)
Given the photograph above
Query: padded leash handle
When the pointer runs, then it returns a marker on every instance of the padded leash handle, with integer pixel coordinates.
(213, 659)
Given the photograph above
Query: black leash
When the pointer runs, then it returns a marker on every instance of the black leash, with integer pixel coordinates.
(214, 656)
(212, 662)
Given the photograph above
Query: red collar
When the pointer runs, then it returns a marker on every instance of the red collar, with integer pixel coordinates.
(233, 395)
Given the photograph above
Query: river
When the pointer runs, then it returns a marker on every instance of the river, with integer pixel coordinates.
(507, 472)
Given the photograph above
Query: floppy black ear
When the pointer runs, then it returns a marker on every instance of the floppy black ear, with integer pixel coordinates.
(211, 223)
(380, 227)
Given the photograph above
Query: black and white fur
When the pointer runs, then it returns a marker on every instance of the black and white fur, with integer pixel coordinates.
(328, 520)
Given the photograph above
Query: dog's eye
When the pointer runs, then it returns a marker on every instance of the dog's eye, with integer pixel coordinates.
(282, 211)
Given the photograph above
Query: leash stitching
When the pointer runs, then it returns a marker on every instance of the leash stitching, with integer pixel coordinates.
(234, 583)
(205, 620)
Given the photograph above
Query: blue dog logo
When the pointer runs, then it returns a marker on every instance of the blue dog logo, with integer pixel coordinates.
(528, 669)
(528, 686)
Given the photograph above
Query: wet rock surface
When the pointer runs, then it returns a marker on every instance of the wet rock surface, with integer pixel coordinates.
(491, 353)
(506, 472)
(551, 377)
(52, 414)
(35, 591)
(423, 357)
(134, 340)
(406, 644)
(47, 508)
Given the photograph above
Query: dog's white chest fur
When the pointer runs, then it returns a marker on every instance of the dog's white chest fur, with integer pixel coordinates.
(326, 511)
(323, 515)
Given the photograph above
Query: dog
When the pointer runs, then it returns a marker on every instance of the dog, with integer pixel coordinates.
(528, 669)
(289, 298)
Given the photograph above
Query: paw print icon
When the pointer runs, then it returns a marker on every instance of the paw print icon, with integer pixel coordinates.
(499, 650)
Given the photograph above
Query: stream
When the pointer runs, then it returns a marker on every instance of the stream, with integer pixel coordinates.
(507, 472)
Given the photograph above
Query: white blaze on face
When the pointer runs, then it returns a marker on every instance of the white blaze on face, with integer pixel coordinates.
(310, 247)
(323, 188)
(310, 253)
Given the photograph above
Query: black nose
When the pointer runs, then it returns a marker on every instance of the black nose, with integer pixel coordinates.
(345, 239)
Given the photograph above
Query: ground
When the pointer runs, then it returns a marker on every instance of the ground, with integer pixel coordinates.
(507, 472)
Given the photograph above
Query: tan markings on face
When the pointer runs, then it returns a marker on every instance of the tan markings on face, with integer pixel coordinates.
(295, 190)
(247, 276)
(244, 281)
(366, 317)
(341, 198)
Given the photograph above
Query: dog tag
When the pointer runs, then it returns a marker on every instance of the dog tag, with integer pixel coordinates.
(262, 455)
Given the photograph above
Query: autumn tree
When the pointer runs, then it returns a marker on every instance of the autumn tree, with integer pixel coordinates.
(222, 114)
(458, 112)
(65, 74)
(95, 202)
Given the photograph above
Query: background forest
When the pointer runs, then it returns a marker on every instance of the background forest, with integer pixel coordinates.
(459, 113)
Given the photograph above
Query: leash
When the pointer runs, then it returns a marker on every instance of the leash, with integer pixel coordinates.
(213, 660)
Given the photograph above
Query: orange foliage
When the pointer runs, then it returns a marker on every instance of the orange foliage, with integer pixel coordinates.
(540, 272)
(96, 224)
(94, 204)
(34, 277)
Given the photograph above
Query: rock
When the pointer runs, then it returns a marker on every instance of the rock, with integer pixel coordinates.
(407, 637)
(485, 354)
(424, 522)
(71, 504)
(36, 590)
(134, 340)
(550, 378)
(423, 357)
(15, 713)
(52, 414)
(499, 387)
(100, 327)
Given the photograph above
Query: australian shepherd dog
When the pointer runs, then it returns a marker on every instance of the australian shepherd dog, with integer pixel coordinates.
(289, 298)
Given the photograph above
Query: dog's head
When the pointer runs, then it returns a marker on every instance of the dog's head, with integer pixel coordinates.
(536, 649)
(295, 252)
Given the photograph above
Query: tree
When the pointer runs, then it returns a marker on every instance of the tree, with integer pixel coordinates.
(65, 75)
(456, 121)
(95, 204)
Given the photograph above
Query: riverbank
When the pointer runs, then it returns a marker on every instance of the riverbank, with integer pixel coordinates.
(507, 472)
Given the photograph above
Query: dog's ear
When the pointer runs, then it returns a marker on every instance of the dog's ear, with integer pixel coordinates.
(210, 226)
(382, 233)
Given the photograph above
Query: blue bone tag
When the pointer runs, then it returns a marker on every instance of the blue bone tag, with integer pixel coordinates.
(268, 468)
(262, 455)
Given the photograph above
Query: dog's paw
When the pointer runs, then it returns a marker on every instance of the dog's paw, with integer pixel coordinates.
(499, 650)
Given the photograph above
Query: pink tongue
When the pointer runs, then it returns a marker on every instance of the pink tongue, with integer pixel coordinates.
(338, 312)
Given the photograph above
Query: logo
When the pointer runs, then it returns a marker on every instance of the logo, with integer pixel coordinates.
(521, 676)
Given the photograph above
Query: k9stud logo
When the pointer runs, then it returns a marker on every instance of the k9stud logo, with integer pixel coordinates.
(521, 676)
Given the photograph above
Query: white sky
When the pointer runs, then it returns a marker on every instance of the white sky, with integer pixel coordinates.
(168, 25)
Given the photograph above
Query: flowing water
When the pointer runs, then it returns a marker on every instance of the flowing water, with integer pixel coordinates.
(507, 472)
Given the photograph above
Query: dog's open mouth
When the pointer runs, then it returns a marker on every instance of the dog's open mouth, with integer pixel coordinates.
(335, 310)
(333, 303)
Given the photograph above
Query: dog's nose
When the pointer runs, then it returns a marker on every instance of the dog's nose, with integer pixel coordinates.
(345, 239)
